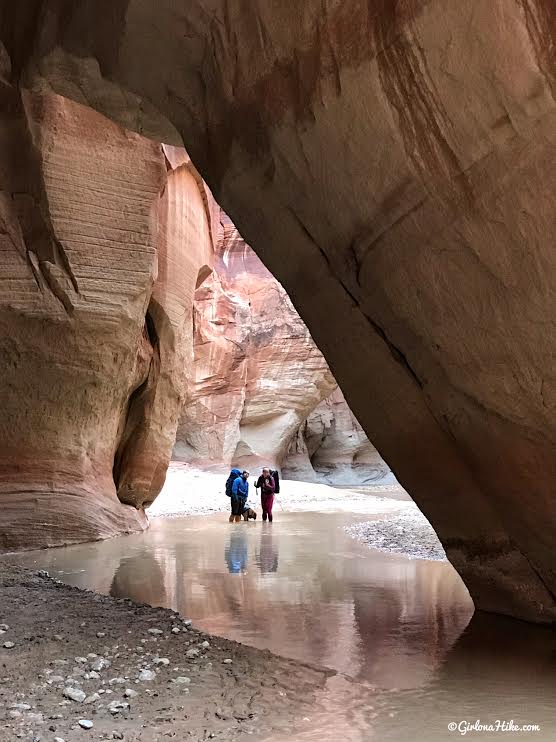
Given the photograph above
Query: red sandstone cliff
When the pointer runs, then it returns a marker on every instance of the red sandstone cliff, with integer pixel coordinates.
(102, 241)
(257, 371)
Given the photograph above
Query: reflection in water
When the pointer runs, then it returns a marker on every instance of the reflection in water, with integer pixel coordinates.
(235, 553)
(138, 576)
(303, 588)
(267, 556)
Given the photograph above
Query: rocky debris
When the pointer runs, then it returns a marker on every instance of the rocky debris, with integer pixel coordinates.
(408, 533)
(182, 700)
(227, 661)
(146, 675)
(74, 694)
(155, 632)
(4, 627)
(100, 664)
(8, 645)
(85, 724)
(118, 707)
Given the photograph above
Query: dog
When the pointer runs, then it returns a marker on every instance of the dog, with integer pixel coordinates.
(249, 514)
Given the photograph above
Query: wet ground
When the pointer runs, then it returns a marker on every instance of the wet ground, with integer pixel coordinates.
(393, 629)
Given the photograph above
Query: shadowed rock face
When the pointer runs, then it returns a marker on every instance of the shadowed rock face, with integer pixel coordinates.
(257, 371)
(392, 163)
(331, 447)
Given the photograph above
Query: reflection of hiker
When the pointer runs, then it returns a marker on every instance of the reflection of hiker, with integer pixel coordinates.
(240, 492)
(235, 552)
(268, 487)
(267, 557)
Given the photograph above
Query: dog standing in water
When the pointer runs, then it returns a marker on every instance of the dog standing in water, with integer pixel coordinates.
(268, 487)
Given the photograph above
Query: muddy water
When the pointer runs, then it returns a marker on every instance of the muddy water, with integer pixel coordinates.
(393, 629)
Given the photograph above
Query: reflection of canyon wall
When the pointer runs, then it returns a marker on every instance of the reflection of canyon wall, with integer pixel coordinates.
(331, 447)
(102, 240)
(258, 373)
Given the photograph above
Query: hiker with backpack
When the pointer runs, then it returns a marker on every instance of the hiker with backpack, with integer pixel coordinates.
(267, 482)
(237, 489)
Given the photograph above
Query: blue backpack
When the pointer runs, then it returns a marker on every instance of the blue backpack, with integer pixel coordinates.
(234, 474)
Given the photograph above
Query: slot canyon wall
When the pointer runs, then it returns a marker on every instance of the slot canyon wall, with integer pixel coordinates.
(331, 447)
(257, 373)
(102, 240)
(392, 163)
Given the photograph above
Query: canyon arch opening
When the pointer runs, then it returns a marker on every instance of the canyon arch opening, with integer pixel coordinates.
(413, 233)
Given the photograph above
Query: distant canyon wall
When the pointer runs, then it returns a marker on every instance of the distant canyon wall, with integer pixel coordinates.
(259, 378)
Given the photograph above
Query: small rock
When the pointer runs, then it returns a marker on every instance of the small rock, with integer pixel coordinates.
(101, 634)
(53, 679)
(117, 735)
(85, 724)
(192, 653)
(155, 632)
(117, 681)
(130, 693)
(187, 622)
(15, 714)
(58, 739)
(146, 674)
(100, 664)
(43, 573)
(58, 638)
(8, 645)
(175, 630)
(205, 645)
(161, 661)
(81, 660)
(35, 718)
(227, 661)
(4, 627)
(117, 707)
(75, 694)
(21, 706)
(92, 698)
(182, 680)
(91, 675)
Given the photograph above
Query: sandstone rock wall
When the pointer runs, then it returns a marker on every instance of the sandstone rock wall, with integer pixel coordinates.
(332, 448)
(393, 165)
(258, 373)
(100, 252)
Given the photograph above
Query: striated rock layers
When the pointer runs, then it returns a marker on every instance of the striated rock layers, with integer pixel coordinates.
(393, 165)
(101, 241)
(257, 372)
(331, 447)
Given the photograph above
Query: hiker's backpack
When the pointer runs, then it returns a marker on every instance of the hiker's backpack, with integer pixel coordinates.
(234, 474)
(276, 477)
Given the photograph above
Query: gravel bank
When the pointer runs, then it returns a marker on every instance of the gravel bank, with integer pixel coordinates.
(407, 533)
(78, 665)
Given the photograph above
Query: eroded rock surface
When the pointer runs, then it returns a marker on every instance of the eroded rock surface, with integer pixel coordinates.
(331, 447)
(101, 251)
(392, 163)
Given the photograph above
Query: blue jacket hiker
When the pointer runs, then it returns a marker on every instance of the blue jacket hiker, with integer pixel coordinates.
(240, 492)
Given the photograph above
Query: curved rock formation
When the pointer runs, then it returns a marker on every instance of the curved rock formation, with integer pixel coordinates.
(258, 373)
(331, 447)
(392, 163)
(101, 250)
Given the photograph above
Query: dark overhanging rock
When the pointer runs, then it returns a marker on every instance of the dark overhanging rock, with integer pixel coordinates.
(391, 164)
